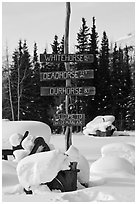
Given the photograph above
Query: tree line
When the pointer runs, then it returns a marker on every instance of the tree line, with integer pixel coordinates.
(114, 80)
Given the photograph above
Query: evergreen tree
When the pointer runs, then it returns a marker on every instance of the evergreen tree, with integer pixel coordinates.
(82, 48)
(55, 45)
(61, 48)
(103, 87)
(121, 86)
(129, 88)
(82, 38)
(92, 101)
(93, 45)
(115, 86)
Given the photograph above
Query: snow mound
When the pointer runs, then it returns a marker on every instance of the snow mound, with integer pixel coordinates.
(28, 143)
(20, 154)
(41, 167)
(83, 164)
(108, 165)
(8, 167)
(100, 123)
(105, 118)
(15, 139)
(9, 175)
(122, 150)
(35, 128)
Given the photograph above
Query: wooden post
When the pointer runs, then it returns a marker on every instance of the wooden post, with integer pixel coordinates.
(68, 132)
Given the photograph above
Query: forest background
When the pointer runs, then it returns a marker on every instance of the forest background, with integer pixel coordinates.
(114, 80)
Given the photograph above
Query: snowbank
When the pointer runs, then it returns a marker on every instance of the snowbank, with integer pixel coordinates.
(123, 150)
(35, 128)
(83, 164)
(112, 165)
(100, 123)
(113, 187)
(41, 168)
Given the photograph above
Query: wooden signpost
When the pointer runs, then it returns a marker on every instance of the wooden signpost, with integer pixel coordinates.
(67, 119)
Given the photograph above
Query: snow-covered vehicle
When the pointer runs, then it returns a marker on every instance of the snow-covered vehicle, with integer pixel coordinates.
(100, 126)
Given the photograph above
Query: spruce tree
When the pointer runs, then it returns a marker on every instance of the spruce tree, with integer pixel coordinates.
(129, 88)
(82, 48)
(119, 95)
(103, 87)
(55, 45)
(92, 101)
(82, 38)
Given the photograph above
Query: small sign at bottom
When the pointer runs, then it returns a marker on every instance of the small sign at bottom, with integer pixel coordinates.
(69, 119)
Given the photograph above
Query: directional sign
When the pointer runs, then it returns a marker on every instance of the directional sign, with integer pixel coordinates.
(79, 74)
(69, 119)
(88, 58)
(79, 91)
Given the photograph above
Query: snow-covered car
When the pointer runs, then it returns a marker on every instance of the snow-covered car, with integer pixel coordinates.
(100, 126)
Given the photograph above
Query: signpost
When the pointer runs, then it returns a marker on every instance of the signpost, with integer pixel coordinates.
(67, 119)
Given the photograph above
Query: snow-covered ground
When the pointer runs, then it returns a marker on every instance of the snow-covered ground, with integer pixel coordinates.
(112, 176)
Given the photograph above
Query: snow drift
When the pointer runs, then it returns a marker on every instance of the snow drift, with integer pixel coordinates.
(112, 165)
(35, 128)
(122, 150)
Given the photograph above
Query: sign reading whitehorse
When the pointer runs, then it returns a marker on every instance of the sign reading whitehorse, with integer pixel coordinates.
(79, 74)
(79, 91)
(69, 119)
(88, 58)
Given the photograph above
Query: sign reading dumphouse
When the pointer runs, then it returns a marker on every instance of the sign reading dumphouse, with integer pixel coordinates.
(88, 58)
(79, 91)
(69, 119)
(78, 74)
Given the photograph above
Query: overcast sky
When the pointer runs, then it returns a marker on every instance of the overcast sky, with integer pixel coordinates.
(40, 21)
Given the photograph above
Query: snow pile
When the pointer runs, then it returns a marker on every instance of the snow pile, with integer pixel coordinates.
(122, 150)
(25, 144)
(35, 128)
(9, 174)
(41, 168)
(15, 139)
(100, 123)
(83, 164)
(109, 165)
(28, 142)
(117, 158)
(115, 186)
(20, 154)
